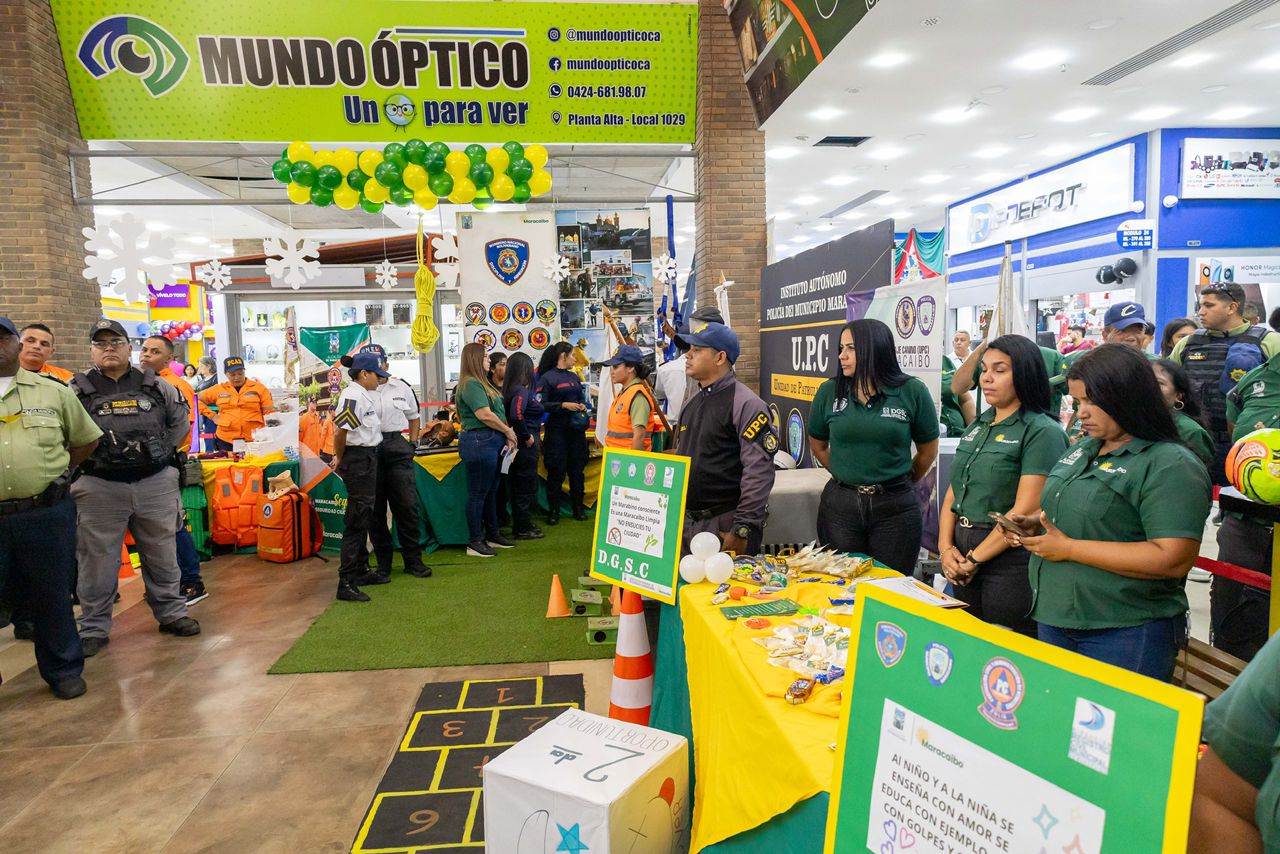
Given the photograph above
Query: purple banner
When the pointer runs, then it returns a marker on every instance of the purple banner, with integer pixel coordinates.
(170, 296)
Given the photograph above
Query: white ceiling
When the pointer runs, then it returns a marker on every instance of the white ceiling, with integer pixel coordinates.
(951, 112)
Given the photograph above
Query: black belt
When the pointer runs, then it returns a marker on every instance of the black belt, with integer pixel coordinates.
(52, 494)
(710, 513)
(898, 484)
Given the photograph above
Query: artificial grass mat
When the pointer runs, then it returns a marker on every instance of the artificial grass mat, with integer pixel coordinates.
(471, 611)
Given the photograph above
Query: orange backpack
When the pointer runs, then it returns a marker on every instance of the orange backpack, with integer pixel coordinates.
(288, 528)
(235, 502)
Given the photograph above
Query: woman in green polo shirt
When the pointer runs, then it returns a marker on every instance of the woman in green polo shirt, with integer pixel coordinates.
(485, 434)
(1000, 465)
(1122, 515)
(862, 425)
(1175, 388)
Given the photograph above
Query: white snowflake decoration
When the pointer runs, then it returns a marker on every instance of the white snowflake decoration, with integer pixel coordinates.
(556, 269)
(292, 266)
(664, 268)
(445, 252)
(118, 258)
(215, 274)
(385, 274)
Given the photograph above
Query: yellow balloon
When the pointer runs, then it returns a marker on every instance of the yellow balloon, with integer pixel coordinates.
(502, 188)
(299, 194)
(457, 164)
(464, 191)
(498, 159)
(300, 151)
(323, 158)
(414, 176)
(345, 160)
(540, 182)
(375, 192)
(345, 197)
(425, 199)
(369, 161)
(535, 154)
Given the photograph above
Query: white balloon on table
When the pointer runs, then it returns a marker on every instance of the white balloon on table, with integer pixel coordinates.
(704, 545)
(692, 569)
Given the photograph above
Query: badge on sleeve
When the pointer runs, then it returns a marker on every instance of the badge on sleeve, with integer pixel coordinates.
(761, 432)
(347, 418)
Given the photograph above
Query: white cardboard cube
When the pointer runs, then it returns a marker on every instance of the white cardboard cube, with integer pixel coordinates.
(589, 781)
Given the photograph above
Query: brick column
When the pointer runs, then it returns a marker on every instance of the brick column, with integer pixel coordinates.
(729, 177)
(41, 244)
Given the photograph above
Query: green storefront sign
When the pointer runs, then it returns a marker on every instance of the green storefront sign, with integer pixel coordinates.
(639, 522)
(962, 736)
(376, 71)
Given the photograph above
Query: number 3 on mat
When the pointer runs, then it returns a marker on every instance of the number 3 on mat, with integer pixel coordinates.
(631, 754)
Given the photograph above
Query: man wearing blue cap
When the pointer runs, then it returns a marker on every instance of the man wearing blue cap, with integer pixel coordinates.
(726, 432)
(45, 434)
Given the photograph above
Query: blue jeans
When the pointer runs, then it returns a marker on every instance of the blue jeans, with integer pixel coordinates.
(481, 452)
(1149, 648)
(188, 557)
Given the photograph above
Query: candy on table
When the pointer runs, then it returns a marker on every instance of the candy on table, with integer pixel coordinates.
(719, 598)
(832, 674)
(800, 690)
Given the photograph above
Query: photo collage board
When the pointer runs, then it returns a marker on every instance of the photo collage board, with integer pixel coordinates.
(610, 283)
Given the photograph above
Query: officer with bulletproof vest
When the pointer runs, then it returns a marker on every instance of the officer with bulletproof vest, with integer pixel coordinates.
(129, 483)
(44, 436)
(1217, 356)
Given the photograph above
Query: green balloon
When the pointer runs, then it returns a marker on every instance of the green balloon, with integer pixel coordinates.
(388, 175)
(482, 200)
(282, 169)
(416, 150)
(356, 179)
(329, 177)
(522, 194)
(481, 174)
(402, 197)
(441, 148)
(284, 153)
(520, 170)
(514, 149)
(303, 173)
(394, 153)
(434, 162)
(441, 184)
(371, 207)
(475, 152)
(321, 197)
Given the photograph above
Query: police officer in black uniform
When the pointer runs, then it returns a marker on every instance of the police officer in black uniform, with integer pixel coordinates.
(129, 483)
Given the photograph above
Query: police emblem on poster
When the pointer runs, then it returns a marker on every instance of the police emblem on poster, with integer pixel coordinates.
(891, 642)
(1002, 690)
(938, 662)
(507, 258)
(926, 313)
(905, 317)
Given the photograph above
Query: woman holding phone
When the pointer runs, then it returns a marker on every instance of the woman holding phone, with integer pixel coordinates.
(1120, 522)
(1000, 466)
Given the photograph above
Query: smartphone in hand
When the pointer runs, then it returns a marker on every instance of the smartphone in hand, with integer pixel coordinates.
(1013, 527)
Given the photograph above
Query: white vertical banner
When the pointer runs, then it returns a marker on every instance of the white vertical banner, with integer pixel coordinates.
(508, 302)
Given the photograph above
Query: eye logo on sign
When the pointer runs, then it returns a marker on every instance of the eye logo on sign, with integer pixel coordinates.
(507, 258)
(904, 317)
(140, 47)
(399, 109)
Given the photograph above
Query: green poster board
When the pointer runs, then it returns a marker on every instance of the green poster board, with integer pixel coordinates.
(962, 736)
(381, 70)
(639, 522)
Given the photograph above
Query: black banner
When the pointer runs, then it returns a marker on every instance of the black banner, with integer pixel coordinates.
(802, 307)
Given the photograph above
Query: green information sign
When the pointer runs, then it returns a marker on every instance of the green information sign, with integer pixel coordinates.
(639, 522)
(381, 70)
(965, 737)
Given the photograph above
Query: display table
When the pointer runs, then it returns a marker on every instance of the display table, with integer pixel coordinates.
(793, 506)
(271, 466)
(761, 768)
(442, 492)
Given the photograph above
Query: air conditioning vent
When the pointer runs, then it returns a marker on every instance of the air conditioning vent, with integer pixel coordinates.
(842, 141)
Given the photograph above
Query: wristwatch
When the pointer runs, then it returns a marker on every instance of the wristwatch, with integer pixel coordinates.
(741, 531)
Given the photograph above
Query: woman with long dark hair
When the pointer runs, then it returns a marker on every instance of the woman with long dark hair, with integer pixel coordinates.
(1174, 331)
(1175, 388)
(484, 435)
(862, 425)
(497, 374)
(524, 411)
(1122, 514)
(1000, 466)
(564, 447)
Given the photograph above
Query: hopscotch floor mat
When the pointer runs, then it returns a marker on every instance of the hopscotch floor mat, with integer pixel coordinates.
(430, 798)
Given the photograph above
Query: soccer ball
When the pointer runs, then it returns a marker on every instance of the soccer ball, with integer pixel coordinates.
(1253, 466)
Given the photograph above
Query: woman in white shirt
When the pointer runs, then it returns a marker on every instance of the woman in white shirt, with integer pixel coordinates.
(357, 432)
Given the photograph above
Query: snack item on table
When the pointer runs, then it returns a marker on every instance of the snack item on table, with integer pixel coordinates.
(841, 600)
(757, 623)
(737, 592)
(831, 675)
(769, 588)
(760, 595)
(719, 598)
(723, 588)
(800, 690)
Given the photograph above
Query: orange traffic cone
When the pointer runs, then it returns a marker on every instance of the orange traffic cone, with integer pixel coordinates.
(632, 694)
(126, 563)
(557, 604)
(615, 601)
